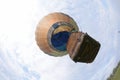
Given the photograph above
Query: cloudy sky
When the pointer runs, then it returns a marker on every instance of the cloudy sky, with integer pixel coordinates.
(20, 57)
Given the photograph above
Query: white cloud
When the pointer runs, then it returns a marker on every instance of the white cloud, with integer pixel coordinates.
(20, 57)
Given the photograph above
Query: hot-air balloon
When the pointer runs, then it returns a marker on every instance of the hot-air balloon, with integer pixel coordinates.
(57, 34)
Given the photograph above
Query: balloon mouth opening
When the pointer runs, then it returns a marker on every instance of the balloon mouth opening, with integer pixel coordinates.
(59, 40)
(59, 34)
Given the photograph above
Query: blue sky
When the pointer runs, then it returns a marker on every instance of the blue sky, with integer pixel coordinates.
(20, 57)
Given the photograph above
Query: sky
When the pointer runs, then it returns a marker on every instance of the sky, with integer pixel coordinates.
(21, 58)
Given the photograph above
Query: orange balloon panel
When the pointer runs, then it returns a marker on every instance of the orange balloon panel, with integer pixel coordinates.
(50, 26)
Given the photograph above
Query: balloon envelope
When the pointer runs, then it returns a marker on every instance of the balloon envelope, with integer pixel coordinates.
(53, 31)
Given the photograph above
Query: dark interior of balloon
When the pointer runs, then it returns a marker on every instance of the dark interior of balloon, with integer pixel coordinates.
(59, 40)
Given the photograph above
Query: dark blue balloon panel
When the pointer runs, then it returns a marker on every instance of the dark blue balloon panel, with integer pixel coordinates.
(59, 40)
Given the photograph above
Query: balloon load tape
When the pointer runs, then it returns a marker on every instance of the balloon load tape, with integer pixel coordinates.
(82, 48)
